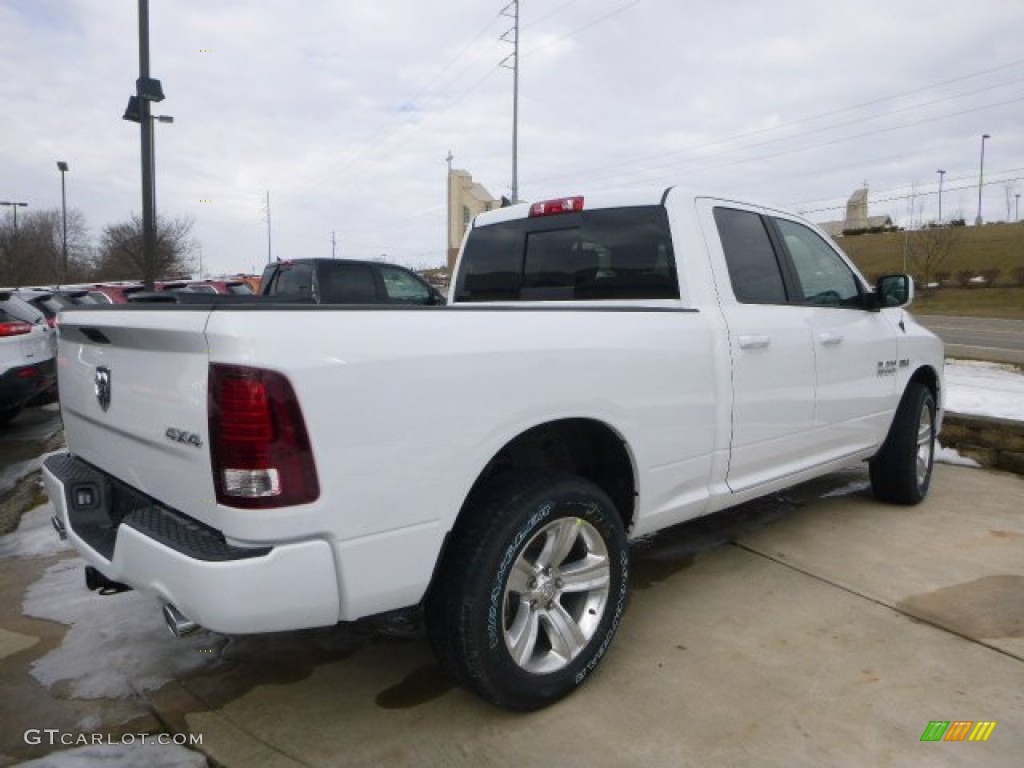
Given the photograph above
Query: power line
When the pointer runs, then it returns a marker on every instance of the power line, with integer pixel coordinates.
(908, 196)
(584, 28)
(651, 174)
(800, 121)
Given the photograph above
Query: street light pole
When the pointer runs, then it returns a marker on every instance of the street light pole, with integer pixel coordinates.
(981, 177)
(62, 166)
(15, 206)
(146, 124)
(942, 174)
(1016, 207)
(152, 149)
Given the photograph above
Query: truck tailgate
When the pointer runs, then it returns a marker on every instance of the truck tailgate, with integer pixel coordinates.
(133, 396)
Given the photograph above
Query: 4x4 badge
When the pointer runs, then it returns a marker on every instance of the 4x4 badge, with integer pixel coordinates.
(101, 384)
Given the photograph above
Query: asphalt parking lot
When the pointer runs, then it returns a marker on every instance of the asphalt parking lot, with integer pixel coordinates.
(798, 630)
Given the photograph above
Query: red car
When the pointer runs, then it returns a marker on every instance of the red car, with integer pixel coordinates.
(114, 293)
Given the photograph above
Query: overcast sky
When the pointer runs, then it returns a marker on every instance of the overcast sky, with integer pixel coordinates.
(344, 111)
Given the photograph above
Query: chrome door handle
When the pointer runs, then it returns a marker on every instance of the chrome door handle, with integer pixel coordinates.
(754, 342)
(830, 339)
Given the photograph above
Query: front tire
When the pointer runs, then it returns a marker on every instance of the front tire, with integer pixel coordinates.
(901, 472)
(533, 586)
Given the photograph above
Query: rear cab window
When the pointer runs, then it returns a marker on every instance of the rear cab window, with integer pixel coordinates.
(605, 253)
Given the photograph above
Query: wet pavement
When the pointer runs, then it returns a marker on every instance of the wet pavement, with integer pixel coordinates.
(804, 629)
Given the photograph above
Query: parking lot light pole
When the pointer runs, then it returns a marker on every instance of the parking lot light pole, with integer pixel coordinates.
(15, 206)
(62, 166)
(152, 148)
(981, 177)
(942, 174)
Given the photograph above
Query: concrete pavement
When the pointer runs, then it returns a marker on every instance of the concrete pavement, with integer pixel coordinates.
(832, 632)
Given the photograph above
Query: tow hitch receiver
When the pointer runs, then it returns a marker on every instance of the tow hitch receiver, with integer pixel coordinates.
(94, 580)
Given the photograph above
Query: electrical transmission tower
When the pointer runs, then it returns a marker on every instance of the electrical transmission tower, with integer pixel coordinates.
(512, 62)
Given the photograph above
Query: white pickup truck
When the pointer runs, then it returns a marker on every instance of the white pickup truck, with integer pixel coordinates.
(607, 366)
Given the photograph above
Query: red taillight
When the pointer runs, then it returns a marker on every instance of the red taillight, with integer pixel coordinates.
(15, 328)
(259, 448)
(554, 207)
(28, 373)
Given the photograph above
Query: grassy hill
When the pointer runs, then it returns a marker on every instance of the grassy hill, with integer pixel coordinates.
(976, 250)
(993, 246)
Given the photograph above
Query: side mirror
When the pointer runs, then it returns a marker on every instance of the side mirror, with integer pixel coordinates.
(894, 291)
(437, 298)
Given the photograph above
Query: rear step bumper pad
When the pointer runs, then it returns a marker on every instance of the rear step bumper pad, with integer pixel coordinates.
(132, 539)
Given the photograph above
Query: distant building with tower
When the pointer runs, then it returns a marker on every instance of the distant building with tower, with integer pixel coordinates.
(857, 218)
(466, 198)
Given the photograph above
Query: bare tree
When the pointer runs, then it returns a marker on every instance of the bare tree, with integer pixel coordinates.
(927, 248)
(33, 254)
(121, 256)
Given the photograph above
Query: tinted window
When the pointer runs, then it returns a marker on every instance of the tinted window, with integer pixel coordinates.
(400, 285)
(824, 277)
(618, 253)
(347, 284)
(294, 280)
(239, 288)
(753, 267)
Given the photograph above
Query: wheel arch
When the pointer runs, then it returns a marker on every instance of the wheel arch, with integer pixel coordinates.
(586, 447)
(930, 378)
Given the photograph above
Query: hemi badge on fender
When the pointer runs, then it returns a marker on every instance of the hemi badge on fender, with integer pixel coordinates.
(183, 437)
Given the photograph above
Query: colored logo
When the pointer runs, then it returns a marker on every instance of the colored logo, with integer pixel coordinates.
(958, 730)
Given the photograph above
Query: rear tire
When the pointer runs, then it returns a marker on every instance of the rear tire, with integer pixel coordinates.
(901, 472)
(531, 591)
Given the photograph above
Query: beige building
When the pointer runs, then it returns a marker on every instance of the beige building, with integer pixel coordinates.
(856, 216)
(466, 198)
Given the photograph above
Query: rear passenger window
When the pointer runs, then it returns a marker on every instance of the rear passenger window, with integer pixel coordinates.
(753, 266)
(615, 253)
(347, 284)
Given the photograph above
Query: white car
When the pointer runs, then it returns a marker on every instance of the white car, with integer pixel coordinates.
(28, 372)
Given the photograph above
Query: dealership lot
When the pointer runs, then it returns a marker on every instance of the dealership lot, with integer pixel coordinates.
(831, 631)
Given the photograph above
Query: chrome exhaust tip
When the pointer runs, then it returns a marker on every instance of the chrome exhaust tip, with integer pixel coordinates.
(177, 624)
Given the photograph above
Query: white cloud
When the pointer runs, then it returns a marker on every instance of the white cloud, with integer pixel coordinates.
(345, 111)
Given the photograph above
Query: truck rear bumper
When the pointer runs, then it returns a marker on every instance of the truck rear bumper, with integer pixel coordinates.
(131, 539)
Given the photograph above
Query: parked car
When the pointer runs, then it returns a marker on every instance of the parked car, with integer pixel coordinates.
(610, 365)
(114, 293)
(223, 286)
(51, 301)
(28, 373)
(347, 281)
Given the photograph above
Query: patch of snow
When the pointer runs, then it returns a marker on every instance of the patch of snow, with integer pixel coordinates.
(117, 645)
(985, 389)
(151, 755)
(34, 537)
(12, 474)
(857, 486)
(950, 456)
